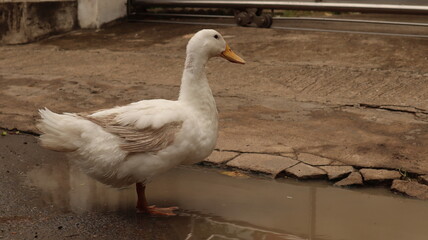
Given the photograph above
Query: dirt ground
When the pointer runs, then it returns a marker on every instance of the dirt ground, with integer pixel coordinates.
(360, 99)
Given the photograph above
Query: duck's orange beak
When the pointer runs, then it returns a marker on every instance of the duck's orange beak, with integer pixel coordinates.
(231, 56)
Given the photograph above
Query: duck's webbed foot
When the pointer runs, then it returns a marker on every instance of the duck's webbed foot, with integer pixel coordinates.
(155, 211)
(143, 207)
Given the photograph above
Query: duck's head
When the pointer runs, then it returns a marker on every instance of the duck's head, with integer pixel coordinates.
(210, 43)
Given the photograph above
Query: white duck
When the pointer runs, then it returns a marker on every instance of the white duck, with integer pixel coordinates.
(131, 144)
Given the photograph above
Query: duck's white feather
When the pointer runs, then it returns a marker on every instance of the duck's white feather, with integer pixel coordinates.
(133, 143)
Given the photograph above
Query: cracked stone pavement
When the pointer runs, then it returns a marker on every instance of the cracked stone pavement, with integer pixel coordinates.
(303, 102)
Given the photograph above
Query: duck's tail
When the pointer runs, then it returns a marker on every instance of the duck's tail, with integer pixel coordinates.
(59, 131)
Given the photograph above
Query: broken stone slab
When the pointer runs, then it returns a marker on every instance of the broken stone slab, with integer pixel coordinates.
(218, 157)
(265, 163)
(424, 179)
(313, 159)
(335, 172)
(338, 163)
(379, 174)
(413, 189)
(305, 171)
(289, 155)
(354, 178)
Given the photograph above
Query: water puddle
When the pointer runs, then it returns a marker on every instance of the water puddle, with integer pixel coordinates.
(216, 206)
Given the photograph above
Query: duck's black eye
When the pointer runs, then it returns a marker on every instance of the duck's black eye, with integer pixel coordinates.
(216, 36)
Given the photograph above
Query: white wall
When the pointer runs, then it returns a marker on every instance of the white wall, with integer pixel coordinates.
(94, 13)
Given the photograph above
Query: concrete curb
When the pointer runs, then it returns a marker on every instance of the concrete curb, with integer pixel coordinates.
(312, 167)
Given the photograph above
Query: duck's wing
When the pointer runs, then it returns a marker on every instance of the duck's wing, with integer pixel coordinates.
(149, 127)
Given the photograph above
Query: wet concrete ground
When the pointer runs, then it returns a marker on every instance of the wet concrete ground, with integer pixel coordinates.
(44, 197)
(356, 99)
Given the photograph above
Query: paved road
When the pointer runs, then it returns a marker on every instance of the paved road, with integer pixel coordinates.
(357, 99)
(46, 197)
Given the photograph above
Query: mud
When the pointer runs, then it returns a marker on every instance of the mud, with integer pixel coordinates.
(46, 197)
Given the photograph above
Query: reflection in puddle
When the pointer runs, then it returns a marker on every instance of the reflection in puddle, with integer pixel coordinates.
(216, 206)
(68, 188)
(208, 228)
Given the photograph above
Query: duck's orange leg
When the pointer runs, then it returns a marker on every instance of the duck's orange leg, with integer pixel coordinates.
(143, 206)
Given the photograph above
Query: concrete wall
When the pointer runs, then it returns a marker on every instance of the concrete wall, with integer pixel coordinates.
(22, 22)
(94, 13)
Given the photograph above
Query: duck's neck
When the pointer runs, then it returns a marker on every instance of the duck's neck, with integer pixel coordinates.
(194, 88)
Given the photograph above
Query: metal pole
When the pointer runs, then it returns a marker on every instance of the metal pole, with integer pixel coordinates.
(315, 6)
(417, 24)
